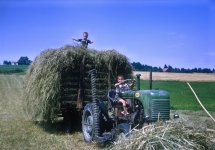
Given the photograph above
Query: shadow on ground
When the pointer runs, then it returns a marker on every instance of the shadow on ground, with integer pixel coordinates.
(70, 123)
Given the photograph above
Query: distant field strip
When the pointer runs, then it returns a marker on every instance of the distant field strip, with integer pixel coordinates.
(10, 69)
(177, 76)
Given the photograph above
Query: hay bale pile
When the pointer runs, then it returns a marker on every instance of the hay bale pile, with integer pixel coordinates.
(54, 69)
(169, 135)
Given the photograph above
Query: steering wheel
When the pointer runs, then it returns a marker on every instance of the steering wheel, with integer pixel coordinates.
(127, 81)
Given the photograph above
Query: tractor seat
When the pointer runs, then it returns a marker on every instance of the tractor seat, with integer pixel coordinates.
(112, 96)
(112, 99)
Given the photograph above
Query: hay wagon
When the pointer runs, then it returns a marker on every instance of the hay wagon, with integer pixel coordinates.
(57, 82)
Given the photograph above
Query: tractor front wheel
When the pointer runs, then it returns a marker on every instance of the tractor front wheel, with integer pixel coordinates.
(87, 123)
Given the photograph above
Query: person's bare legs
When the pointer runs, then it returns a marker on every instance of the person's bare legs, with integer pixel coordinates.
(125, 112)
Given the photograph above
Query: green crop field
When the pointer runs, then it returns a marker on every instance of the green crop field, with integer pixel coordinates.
(181, 95)
(9, 69)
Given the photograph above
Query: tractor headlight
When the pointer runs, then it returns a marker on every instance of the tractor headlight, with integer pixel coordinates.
(175, 116)
(146, 116)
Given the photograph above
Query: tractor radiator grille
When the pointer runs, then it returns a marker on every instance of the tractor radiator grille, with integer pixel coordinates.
(160, 109)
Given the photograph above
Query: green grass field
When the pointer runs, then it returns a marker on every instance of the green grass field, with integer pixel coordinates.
(181, 95)
(10, 69)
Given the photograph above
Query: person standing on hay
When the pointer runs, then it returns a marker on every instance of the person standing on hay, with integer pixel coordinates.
(121, 87)
(84, 41)
(84, 44)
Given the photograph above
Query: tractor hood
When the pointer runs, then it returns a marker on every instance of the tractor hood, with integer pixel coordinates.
(155, 94)
(142, 94)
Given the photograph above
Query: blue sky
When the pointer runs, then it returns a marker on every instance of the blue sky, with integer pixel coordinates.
(180, 33)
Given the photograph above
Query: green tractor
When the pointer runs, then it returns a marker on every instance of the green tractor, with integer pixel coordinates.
(102, 120)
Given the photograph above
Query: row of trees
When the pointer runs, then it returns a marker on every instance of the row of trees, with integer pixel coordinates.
(23, 60)
(167, 68)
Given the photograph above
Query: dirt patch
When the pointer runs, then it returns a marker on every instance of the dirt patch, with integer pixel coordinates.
(208, 77)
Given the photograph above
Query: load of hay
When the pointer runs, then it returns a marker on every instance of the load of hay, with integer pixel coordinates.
(169, 135)
(50, 78)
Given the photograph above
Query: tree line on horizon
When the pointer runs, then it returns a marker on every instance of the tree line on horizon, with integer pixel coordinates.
(137, 66)
(23, 60)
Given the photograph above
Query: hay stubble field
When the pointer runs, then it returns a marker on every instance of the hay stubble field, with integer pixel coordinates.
(207, 77)
(18, 132)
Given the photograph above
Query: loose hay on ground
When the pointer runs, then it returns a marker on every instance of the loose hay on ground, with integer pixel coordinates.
(44, 77)
(169, 135)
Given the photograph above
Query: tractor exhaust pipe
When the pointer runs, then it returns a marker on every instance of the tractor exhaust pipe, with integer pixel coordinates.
(138, 81)
(150, 79)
